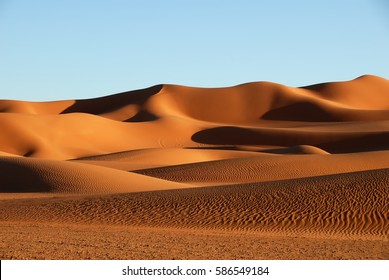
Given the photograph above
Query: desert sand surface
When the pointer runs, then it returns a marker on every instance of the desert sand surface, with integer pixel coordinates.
(254, 171)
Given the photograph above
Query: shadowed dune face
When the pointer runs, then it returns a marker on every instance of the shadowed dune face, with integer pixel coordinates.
(259, 157)
(300, 111)
(106, 105)
(24, 175)
(333, 141)
(356, 93)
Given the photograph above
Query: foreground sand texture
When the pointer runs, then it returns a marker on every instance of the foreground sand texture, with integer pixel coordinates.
(255, 171)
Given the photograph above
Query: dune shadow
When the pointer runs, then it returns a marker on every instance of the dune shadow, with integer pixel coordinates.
(143, 116)
(17, 178)
(332, 143)
(362, 143)
(112, 102)
(316, 87)
(230, 136)
(301, 111)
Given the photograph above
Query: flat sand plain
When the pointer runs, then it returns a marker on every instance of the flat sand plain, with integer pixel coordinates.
(255, 171)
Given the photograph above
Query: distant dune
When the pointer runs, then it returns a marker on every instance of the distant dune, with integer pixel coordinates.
(259, 158)
(339, 116)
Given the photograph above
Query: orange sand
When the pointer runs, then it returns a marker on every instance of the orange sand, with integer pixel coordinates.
(199, 173)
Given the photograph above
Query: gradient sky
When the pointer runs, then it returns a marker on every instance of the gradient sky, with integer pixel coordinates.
(66, 49)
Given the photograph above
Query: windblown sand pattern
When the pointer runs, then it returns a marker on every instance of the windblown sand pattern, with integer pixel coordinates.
(260, 160)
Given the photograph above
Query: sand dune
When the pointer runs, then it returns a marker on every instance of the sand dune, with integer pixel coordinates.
(336, 116)
(351, 204)
(269, 101)
(24, 175)
(151, 158)
(169, 162)
(269, 167)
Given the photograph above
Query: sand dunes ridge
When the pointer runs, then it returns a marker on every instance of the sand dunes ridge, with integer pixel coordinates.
(171, 116)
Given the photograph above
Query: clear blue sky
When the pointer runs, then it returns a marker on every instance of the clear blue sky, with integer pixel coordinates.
(86, 48)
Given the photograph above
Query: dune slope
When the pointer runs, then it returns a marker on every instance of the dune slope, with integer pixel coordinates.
(269, 167)
(24, 175)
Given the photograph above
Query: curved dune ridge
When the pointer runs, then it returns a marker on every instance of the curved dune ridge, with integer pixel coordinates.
(259, 157)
